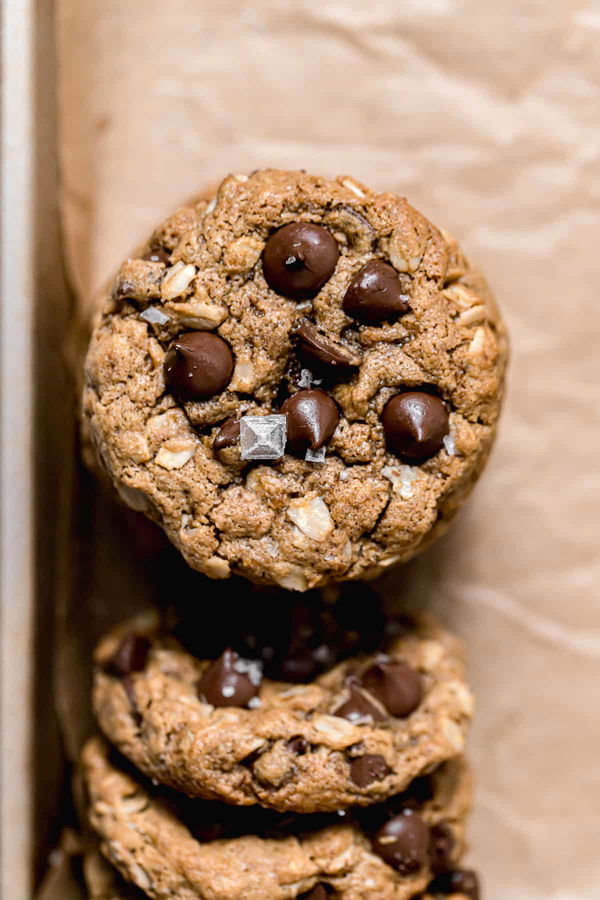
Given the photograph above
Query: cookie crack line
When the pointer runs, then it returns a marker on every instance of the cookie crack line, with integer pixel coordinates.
(296, 248)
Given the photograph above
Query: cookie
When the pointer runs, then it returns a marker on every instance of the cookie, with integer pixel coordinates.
(104, 883)
(221, 729)
(198, 850)
(300, 380)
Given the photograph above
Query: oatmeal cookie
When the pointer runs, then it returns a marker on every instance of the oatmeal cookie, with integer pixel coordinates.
(221, 729)
(198, 850)
(299, 380)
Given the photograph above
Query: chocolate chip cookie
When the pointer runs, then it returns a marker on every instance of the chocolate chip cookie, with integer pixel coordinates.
(104, 883)
(198, 850)
(299, 380)
(226, 729)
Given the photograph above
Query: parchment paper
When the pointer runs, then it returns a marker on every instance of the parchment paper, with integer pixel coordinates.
(486, 116)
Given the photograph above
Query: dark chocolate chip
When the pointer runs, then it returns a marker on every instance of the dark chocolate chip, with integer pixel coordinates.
(124, 290)
(298, 259)
(230, 681)
(415, 425)
(364, 770)
(403, 842)
(298, 745)
(359, 707)
(461, 881)
(317, 350)
(376, 294)
(441, 845)
(395, 685)
(130, 656)
(157, 254)
(228, 435)
(312, 417)
(319, 892)
(198, 365)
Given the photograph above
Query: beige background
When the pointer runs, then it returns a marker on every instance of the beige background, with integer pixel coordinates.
(486, 115)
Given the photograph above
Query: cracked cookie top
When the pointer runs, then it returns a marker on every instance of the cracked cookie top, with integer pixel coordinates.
(196, 850)
(331, 734)
(299, 380)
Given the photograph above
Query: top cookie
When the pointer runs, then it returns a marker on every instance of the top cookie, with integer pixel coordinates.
(299, 380)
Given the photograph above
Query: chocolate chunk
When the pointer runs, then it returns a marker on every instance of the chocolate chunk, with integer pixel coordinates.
(376, 294)
(230, 681)
(359, 707)
(312, 417)
(441, 845)
(319, 892)
(397, 687)
(461, 881)
(228, 435)
(130, 656)
(364, 770)
(198, 365)
(415, 425)
(318, 351)
(157, 254)
(403, 842)
(298, 259)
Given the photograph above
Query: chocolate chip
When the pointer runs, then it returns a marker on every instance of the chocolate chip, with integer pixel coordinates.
(359, 706)
(403, 842)
(366, 769)
(298, 259)
(228, 435)
(157, 254)
(415, 425)
(461, 881)
(230, 681)
(317, 350)
(312, 417)
(130, 656)
(198, 365)
(397, 687)
(319, 892)
(298, 745)
(376, 294)
(441, 845)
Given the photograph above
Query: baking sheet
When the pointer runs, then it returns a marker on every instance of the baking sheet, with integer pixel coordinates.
(486, 117)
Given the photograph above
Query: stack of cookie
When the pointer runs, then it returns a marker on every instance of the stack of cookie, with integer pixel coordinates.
(300, 381)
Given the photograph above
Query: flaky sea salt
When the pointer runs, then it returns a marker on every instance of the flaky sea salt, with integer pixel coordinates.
(262, 437)
(315, 456)
(305, 379)
(250, 667)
